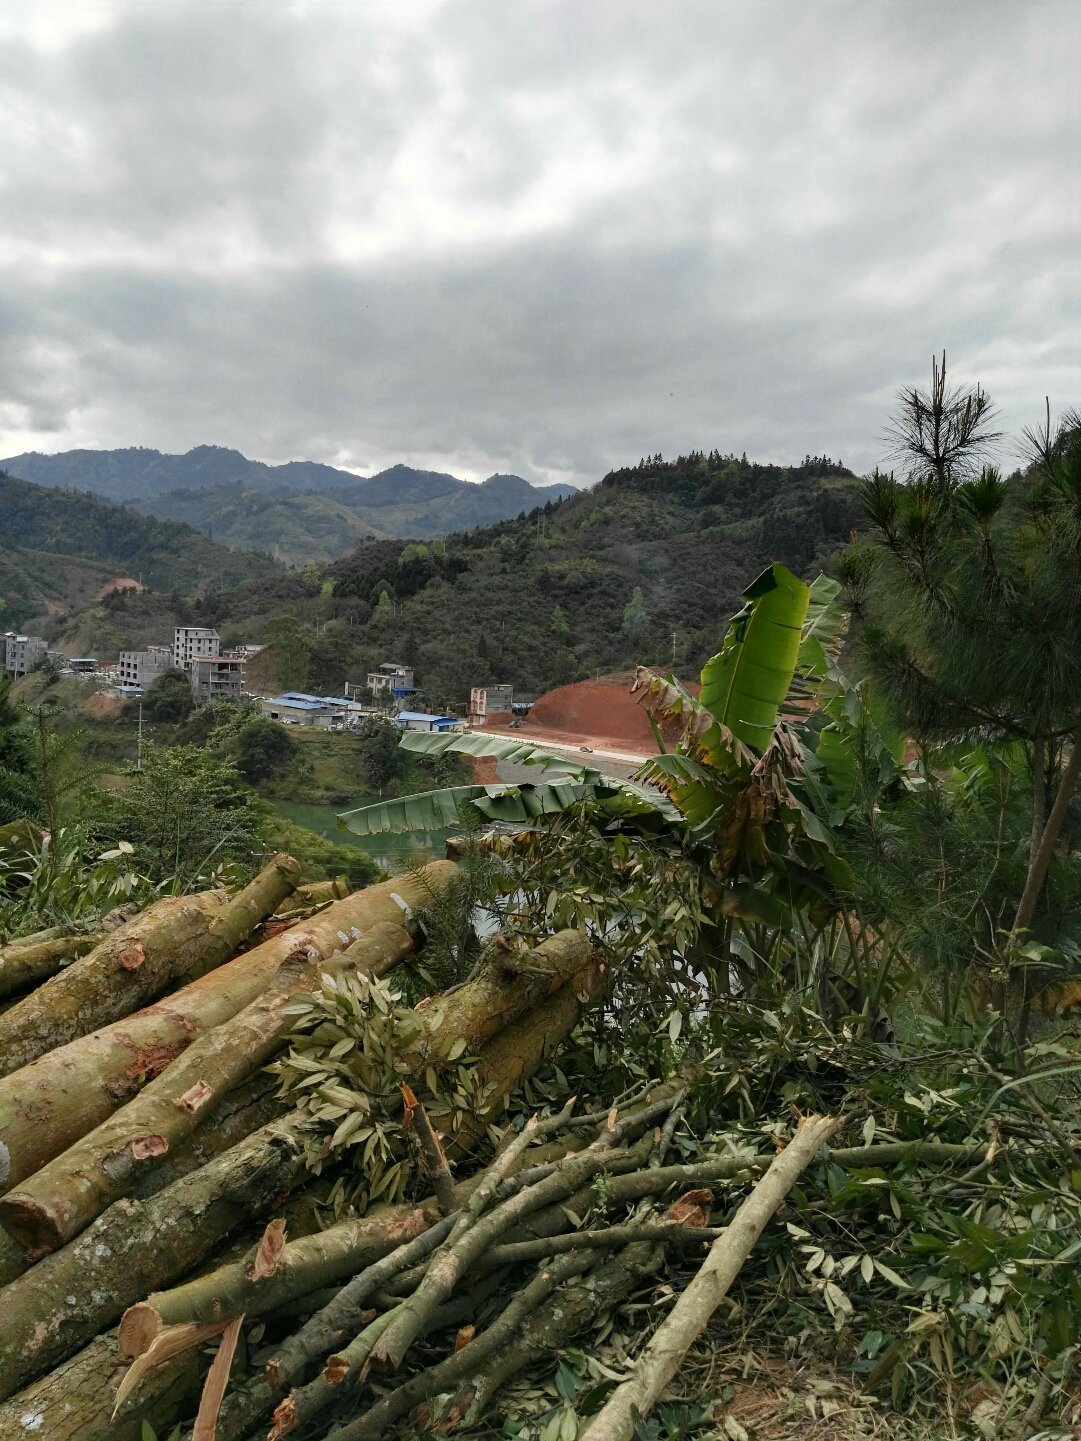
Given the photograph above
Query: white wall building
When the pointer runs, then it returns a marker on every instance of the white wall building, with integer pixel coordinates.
(21, 653)
(194, 642)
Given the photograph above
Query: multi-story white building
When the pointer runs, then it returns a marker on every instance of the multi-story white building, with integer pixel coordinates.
(21, 653)
(142, 667)
(194, 642)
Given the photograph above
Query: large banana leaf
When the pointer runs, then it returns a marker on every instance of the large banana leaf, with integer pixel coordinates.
(746, 682)
(476, 743)
(516, 804)
(823, 627)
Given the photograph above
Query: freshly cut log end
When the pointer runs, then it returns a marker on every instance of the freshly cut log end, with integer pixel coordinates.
(336, 1370)
(139, 1329)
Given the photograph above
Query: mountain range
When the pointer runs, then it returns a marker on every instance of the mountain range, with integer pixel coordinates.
(298, 511)
(647, 565)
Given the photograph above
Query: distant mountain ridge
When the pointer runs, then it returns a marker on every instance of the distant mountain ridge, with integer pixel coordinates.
(301, 510)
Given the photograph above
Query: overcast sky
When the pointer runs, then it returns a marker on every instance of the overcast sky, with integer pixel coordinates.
(543, 236)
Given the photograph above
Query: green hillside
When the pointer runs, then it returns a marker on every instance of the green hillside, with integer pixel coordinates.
(161, 554)
(300, 525)
(36, 586)
(292, 525)
(647, 565)
(295, 512)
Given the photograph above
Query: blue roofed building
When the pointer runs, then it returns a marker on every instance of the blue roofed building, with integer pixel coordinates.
(416, 720)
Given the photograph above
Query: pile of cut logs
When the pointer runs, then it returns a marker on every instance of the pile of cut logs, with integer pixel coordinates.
(160, 1257)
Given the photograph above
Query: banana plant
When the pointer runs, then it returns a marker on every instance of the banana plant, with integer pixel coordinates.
(734, 771)
(523, 803)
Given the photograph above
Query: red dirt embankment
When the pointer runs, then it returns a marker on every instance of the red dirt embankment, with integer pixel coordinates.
(601, 714)
(600, 710)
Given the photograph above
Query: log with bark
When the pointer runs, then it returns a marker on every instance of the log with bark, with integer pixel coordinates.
(48, 1105)
(177, 938)
(121, 1257)
(138, 962)
(136, 1246)
(26, 962)
(64, 1196)
(75, 1401)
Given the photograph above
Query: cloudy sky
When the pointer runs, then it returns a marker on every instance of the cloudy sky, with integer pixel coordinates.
(545, 236)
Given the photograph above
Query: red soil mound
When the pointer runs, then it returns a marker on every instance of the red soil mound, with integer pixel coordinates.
(102, 707)
(594, 709)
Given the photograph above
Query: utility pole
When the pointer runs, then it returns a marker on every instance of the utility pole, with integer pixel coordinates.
(673, 650)
(139, 746)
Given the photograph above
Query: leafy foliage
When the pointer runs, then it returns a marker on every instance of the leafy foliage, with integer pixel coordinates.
(186, 814)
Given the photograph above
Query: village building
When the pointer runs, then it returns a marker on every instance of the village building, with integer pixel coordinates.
(296, 707)
(217, 675)
(141, 668)
(391, 681)
(415, 720)
(194, 642)
(490, 704)
(22, 653)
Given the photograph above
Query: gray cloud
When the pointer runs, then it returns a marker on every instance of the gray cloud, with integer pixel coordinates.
(546, 237)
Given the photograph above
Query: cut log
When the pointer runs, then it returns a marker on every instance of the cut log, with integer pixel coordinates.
(75, 1401)
(48, 1105)
(486, 1004)
(28, 962)
(504, 1062)
(63, 1197)
(342, 1250)
(243, 1111)
(315, 893)
(135, 1246)
(120, 974)
(634, 1399)
(177, 938)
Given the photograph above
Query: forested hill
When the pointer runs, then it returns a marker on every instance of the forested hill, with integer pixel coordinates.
(161, 554)
(651, 560)
(297, 512)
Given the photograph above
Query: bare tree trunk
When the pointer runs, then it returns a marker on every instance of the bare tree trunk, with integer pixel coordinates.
(1040, 859)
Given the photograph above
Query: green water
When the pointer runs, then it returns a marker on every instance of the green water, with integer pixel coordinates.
(387, 850)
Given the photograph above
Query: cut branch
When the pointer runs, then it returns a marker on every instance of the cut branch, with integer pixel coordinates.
(690, 1316)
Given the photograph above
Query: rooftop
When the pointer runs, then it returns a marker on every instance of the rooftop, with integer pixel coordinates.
(408, 715)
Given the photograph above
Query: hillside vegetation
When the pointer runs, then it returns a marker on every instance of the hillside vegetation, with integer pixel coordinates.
(645, 566)
(161, 554)
(296, 512)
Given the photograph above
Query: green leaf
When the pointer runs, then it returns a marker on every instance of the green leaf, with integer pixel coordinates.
(746, 682)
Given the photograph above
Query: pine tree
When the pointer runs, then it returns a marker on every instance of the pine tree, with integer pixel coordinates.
(966, 601)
